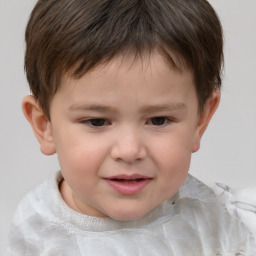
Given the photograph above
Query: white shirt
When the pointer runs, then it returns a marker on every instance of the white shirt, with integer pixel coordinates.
(193, 222)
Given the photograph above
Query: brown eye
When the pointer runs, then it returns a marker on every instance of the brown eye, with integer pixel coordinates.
(158, 121)
(95, 122)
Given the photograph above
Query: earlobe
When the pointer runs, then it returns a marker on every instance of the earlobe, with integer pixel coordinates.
(204, 119)
(40, 124)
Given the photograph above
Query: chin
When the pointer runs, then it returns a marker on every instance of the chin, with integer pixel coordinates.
(127, 215)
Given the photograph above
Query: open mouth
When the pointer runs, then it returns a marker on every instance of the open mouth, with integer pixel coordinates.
(128, 181)
(128, 185)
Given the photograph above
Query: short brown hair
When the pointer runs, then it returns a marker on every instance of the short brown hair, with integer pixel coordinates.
(77, 35)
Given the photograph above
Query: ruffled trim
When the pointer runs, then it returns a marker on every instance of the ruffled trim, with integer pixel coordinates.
(240, 201)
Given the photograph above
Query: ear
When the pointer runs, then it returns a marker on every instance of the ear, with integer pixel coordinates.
(40, 124)
(204, 118)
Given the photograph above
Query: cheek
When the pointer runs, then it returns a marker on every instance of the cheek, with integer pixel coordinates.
(173, 156)
(173, 169)
(175, 162)
(80, 167)
(80, 157)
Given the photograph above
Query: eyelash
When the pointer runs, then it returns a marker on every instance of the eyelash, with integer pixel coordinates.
(100, 122)
(165, 120)
(89, 122)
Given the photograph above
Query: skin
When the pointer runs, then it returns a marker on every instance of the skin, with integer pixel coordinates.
(126, 117)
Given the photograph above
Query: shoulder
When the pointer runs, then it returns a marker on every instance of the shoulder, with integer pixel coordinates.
(239, 201)
(215, 225)
(37, 200)
(35, 220)
(33, 206)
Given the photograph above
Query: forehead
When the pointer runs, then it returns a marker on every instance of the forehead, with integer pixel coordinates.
(149, 78)
(148, 66)
(147, 62)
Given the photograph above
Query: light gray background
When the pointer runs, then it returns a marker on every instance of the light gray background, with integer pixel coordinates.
(228, 151)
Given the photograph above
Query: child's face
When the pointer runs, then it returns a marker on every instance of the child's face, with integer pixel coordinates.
(124, 134)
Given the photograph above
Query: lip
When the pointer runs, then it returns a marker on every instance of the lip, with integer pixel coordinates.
(128, 184)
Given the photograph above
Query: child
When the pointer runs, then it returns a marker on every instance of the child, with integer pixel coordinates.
(123, 92)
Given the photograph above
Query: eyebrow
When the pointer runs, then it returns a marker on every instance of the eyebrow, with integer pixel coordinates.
(163, 107)
(97, 108)
(147, 109)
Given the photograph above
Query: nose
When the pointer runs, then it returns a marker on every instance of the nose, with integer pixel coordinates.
(128, 146)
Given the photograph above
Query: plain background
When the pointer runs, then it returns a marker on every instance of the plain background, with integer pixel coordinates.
(228, 150)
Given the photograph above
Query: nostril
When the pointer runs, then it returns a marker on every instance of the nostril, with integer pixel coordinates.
(128, 153)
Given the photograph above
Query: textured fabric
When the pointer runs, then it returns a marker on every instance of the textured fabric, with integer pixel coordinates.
(242, 200)
(193, 222)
